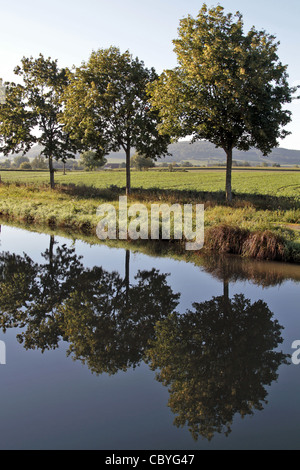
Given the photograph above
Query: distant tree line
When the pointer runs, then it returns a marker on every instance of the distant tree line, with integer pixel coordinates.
(22, 162)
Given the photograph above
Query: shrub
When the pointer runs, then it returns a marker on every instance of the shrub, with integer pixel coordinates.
(25, 166)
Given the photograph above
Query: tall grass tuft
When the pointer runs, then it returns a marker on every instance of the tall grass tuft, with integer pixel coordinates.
(264, 245)
(225, 239)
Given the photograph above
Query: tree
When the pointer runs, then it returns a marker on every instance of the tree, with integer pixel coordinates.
(107, 108)
(90, 160)
(19, 160)
(97, 312)
(6, 163)
(31, 293)
(140, 162)
(25, 166)
(36, 106)
(103, 321)
(39, 163)
(217, 361)
(229, 87)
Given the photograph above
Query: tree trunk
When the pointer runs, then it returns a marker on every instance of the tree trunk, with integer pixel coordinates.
(127, 266)
(226, 301)
(228, 175)
(51, 245)
(128, 171)
(51, 169)
(226, 289)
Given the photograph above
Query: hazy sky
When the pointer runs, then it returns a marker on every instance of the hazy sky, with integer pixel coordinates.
(68, 30)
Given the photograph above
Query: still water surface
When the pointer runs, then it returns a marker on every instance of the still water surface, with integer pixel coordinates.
(111, 349)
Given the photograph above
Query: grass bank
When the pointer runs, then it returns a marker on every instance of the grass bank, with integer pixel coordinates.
(260, 226)
(221, 266)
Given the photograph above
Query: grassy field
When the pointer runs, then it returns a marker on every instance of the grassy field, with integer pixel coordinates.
(265, 202)
(265, 182)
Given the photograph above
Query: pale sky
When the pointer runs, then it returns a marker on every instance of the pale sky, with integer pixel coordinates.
(69, 30)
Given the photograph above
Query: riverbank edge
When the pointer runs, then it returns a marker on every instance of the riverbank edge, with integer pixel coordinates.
(222, 239)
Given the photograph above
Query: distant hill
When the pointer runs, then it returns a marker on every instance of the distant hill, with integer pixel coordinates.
(204, 152)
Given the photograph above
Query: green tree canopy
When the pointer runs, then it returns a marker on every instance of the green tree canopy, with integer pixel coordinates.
(90, 160)
(107, 108)
(140, 162)
(25, 166)
(31, 111)
(39, 163)
(5, 163)
(229, 87)
(20, 159)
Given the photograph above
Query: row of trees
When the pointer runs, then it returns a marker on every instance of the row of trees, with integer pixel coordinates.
(88, 160)
(229, 88)
(100, 107)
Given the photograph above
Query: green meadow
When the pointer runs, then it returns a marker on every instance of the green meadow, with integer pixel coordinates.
(275, 183)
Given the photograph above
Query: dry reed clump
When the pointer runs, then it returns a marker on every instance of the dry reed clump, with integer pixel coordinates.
(265, 246)
(226, 239)
(234, 240)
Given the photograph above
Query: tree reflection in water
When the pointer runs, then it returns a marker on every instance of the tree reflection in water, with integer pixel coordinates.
(107, 321)
(31, 293)
(216, 359)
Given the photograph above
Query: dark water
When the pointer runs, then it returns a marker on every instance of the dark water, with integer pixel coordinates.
(111, 349)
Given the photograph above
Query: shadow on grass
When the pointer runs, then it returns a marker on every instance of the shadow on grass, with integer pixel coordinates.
(172, 196)
(208, 198)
